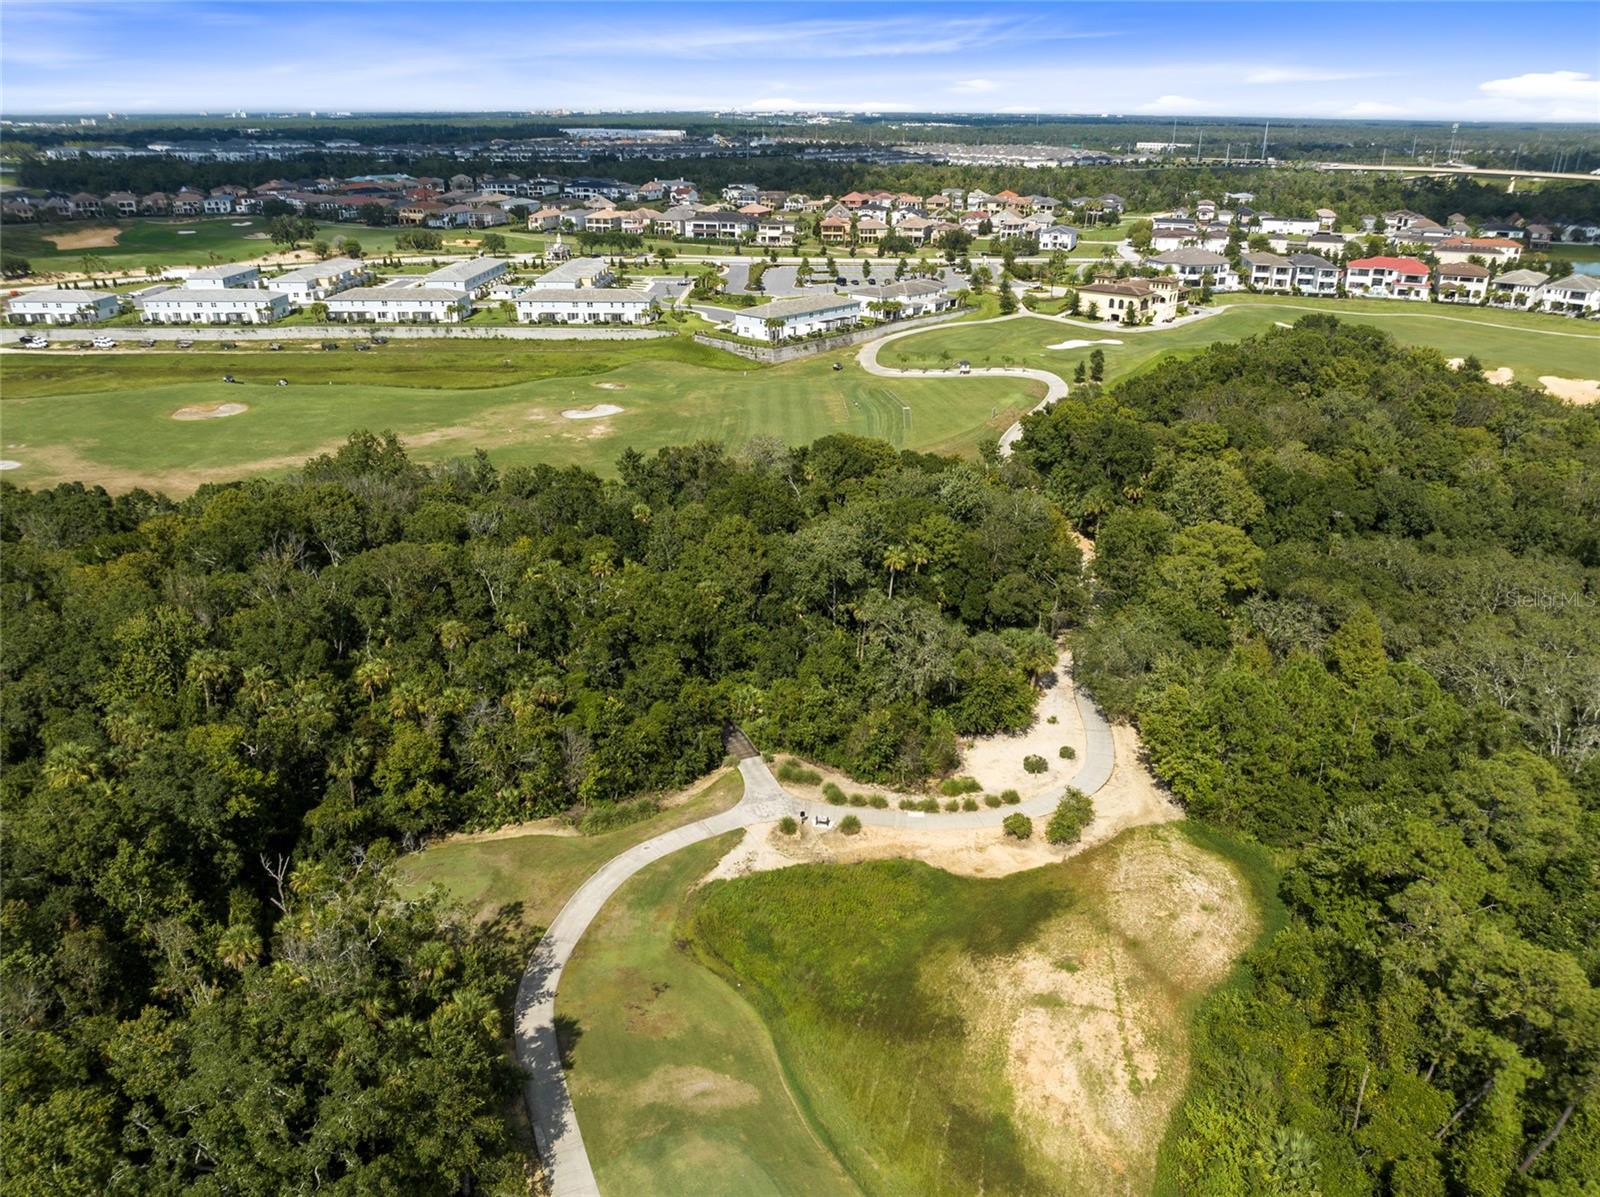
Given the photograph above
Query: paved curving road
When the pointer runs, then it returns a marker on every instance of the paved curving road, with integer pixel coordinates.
(1055, 387)
(555, 1125)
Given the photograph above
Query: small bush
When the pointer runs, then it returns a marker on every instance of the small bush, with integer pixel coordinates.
(878, 802)
(858, 799)
(929, 806)
(850, 825)
(622, 814)
(787, 825)
(953, 804)
(768, 757)
(1018, 826)
(991, 800)
(1072, 814)
(793, 771)
(969, 803)
(1010, 797)
(1052, 719)
(1034, 763)
(1068, 752)
(954, 787)
(909, 804)
(834, 793)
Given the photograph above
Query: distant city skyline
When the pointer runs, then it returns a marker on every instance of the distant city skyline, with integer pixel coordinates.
(1393, 61)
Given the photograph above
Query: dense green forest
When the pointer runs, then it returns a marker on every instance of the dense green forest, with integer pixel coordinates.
(223, 716)
(1350, 597)
(1348, 593)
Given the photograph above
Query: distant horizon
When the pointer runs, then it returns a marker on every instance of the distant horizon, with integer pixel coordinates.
(1413, 60)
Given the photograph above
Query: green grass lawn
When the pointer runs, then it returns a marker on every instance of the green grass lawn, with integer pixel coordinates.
(536, 874)
(674, 1078)
(107, 418)
(174, 242)
(1020, 1035)
(1532, 345)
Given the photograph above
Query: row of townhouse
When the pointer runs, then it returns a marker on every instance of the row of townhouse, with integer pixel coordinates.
(815, 315)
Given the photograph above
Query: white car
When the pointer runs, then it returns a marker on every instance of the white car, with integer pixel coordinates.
(104, 343)
(30, 341)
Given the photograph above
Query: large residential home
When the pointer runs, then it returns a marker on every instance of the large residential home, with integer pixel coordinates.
(1517, 288)
(217, 205)
(1130, 300)
(834, 230)
(1463, 282)
(1058, 236)
(1006, 225)
(784, 319)
(188, 202)
(1326, 219)
(1329, 245)
(1577, 294)
(155, 204)
(575, 274)
(61, 307)
(870, 230)
(225, 277)
(215, 305)
(1212, 237)
(903, 300)
(544, 220)
(1387, 278)
(741, 193)
(1490, 249)
(796, 201)
(400, 305)
(914, 228)
(121, 203)
(719, 226)
(424, 211)
(775, 230)
(585, 305)
(472, 276)
(1198, 268)
(1294, 226)
(674, 220)
(309, 284)
(663, 189)
(1267, 272)
(1314, 275)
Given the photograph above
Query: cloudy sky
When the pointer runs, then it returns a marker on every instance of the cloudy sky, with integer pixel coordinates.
(1517, 59)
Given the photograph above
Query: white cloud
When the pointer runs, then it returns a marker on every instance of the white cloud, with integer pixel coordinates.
(1548, 85)
(1373, 108)
(1172, 105)
(971, 86)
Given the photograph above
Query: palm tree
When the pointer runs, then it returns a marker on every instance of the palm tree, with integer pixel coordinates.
(895, 561)
(210, 670)
(373, 675)
(238, 946)
(453, 635)
(70, 764)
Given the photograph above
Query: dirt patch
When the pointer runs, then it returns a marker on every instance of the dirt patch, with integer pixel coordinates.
(996, 761)
(1573, 390)
(982, 853)
(98, 237)
(211, 411)
(598, 411)
(695, 1088)
(1092, 1017)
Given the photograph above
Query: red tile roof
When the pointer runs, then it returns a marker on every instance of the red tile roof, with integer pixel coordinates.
(1403, 265)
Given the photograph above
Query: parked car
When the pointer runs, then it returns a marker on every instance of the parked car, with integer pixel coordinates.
(184, 344)
(33, 341)
(104, 343)
(148, 343)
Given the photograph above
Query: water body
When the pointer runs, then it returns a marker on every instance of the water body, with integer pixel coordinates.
(1586, 267)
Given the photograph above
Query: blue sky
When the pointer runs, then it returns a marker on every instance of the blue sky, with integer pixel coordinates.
(1518, 59)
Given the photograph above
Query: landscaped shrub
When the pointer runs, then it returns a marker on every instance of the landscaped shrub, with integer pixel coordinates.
(969, 803)
(878, 801)
(850, 825)
(622, 814)
(991, 800)
(858, 799)
(929, 806)
(953, 804)
(1068, 752)
(954, 787)
(768, 757)
(1052, 719)
(909, 804)
(1018, 826)
(1010, 797)
(834, 793)
(1034, 763)
(793, 771)
(1072, 814)
(787, 825)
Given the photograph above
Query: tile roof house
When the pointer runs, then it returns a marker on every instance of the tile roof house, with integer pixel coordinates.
(1141, 300)
(1463, 282)
(1388, 278)
(1198, 268)
(1577, 294)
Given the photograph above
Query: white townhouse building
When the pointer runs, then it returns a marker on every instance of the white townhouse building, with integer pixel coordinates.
(585, 305)
(1577, 294)
(1314, 275)
(62, 307)
(1267, 272)
(308, 284)
(216, 305)
(1292, 226)
(400, 305)
(1463, 282)
(911, 297)
(472, 276)
(1198, 268)
(1387, 278)
(223, 277)
(1058, 236)
(1517, 288)
(797, 317)
(578, 272)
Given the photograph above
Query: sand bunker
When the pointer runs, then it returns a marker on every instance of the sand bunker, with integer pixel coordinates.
(592, 413)
(1283, 324)
(1456, 363)
(1573, 390)
(95, 238)
(1501, 377)
(612, 386)
(243, 224)
(214, 411)
(8, 464)
(187, 232)
(1086, 344)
